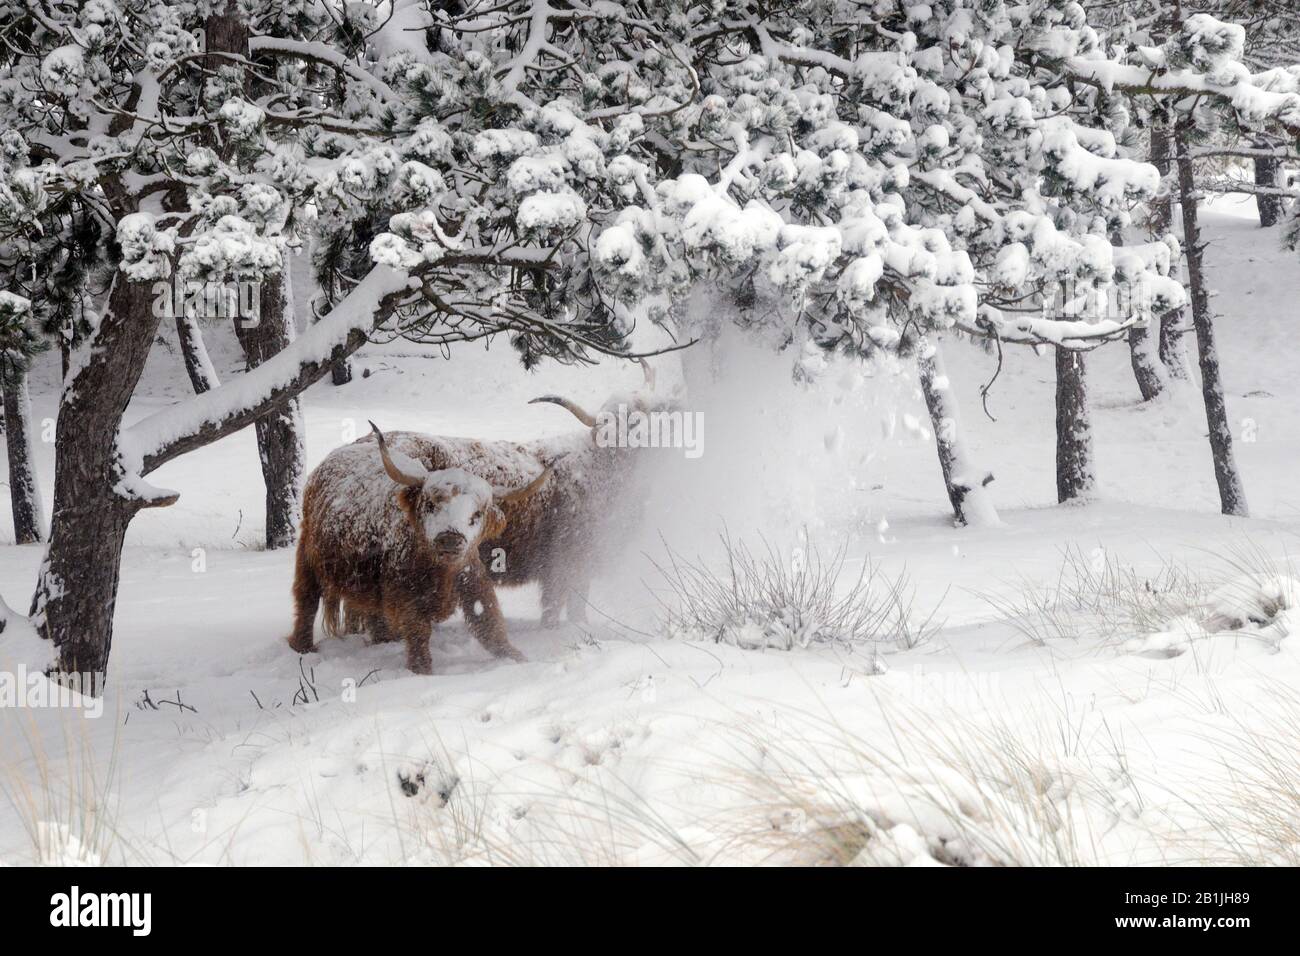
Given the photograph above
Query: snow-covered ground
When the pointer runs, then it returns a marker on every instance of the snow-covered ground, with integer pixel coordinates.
(1064, 707)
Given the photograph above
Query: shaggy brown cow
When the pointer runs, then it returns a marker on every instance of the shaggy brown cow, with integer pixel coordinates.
(392, 527)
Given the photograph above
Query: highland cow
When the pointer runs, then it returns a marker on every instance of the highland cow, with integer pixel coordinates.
(392, 527)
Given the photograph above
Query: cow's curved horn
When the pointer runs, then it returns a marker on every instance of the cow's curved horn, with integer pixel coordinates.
(395, 473)
(585, 417)
(524, 493)
(648, 371)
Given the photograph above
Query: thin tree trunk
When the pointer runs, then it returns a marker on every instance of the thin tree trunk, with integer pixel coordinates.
(24, 492)
(1170, 348)
(1074, 473)
(280, 443)
(1144, 353)
(198, 366)
(1268, 174)
(77, 588)
(279, 432)
(1232, 496)
(967, 485)
(1173, 350)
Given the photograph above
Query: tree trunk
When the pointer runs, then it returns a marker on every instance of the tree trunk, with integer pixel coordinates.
(280, 443)
(24, 492)
(1171, 350)
(1074, 475)
(224, 32)
(198, 366)
(1268, 175)
(967, 485)
(341, 372)
(77, 587)
(1144, 355)
(1232, 496)
(279, 432)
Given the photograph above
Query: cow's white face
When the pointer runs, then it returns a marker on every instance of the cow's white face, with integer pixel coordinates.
(453, 510)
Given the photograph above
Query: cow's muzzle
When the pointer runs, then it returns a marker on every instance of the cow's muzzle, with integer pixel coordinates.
(449, 543)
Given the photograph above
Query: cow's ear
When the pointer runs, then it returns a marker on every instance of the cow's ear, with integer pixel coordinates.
(494, 522)
(409, 497)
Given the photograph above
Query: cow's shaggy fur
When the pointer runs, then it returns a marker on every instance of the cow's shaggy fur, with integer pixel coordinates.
(403, 557)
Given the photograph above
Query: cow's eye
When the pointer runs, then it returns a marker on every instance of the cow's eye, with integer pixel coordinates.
(475, 517)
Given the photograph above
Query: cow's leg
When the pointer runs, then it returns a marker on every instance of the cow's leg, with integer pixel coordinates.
(416, 636)
(576, 602)
(380, 632)
(553, 594)
(306, 599)
(478, 601)
(418, 659)
(414, 628)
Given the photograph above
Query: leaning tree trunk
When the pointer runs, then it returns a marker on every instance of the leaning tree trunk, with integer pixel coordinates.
(967, 485)
(1074, 474)
(24, 492)
(1232, 496)
(1268, 177)
(198, 366)
(77, 588)
(1144, 356)
(280, 443)
(1144, 353)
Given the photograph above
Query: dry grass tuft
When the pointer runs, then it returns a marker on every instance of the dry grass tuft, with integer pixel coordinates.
(783, 601)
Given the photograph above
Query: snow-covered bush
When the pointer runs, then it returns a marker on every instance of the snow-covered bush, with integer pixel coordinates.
(1253, 600)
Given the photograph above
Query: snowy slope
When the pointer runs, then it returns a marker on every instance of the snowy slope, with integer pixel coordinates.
(1011, 735)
